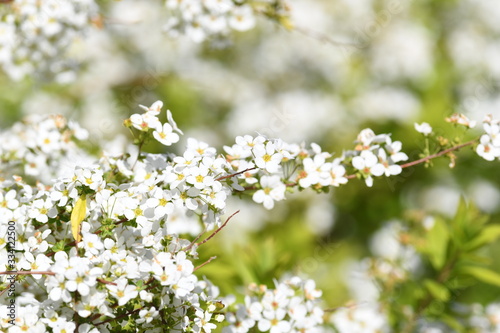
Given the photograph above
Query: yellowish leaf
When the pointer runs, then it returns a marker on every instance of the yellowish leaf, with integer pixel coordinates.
(77, 216)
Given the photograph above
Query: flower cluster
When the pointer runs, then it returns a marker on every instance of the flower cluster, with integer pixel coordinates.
(270, 166)
(485, 318)
(290, 307)
(127, 255)
(35, 34)
(362, 318)
(202, 19)
(163, 133)
(124, 256)
(489, 143)
(119, 265)
(42, 147)
(376, 155)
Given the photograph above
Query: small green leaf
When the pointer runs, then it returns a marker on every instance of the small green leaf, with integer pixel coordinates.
(454, 323)
(482, 274)
(488, 235)
(437, 290)
(437, 243)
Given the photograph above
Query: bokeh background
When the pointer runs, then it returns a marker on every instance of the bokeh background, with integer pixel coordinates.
(344, 66)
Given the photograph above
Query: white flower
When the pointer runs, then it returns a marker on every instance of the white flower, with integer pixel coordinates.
(423, 128)
(266, 157)
(56, 287)
(390, 169)
(367, 138)
(171, 121)
(92, 243)
(8, 200)
(40, 263)
(165, 135)
(123, 292)
(335, 174)
(272, 190)
(161, 202)
(394, 150)
(368, 164)
(199, 177)
(202, 321)
(360, 319)
(154, 109)
(92, 178)
(145, 121)
(242, 18)
(274, 322)
(41, 210)
(200, 148)
(461, 119)
(312, 170)
(147, 315)
(486, 150)
(493, 130)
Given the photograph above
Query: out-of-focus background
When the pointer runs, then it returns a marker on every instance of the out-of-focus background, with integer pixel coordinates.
(346, 65)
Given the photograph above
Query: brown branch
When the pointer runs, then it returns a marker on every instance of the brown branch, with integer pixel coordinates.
(206, 262)
(195, 240)
(3, 291)
(441, 153)
(106, 282)
(219, 229)
(27, 273)
(235, 174)
(430, 157)
(324, 38)
(119, 317)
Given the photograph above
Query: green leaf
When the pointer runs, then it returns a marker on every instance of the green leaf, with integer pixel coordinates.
(461, 216)
(437, 290)
(437, 243)
(488, 235)
(454, 323)
(482, 274)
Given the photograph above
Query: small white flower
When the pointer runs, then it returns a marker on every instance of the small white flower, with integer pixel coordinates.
(266, 157)
(461, 119)
(368, 164)
(272, 190)
(242, 18)
(171, 121)
(486, 149)
(423, 128)
(154, 109)
(165, 135)
(123, 292)
(199, 177)
(147, 315)
(202, 321)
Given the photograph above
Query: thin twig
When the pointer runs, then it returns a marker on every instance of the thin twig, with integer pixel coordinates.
(348, 306)
(3, 291)
(119, 317)
(106, 282)
(195, 240)
(441, 153)
(235, 174)
(219, 229)
(430, 157)
(323, 37)
(206, 262)
(27, 273)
